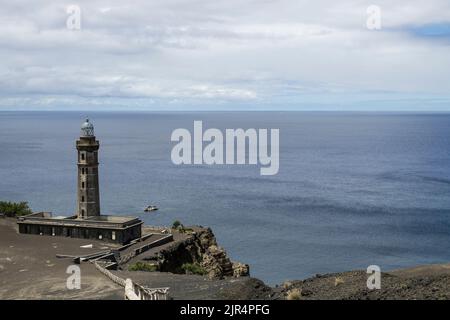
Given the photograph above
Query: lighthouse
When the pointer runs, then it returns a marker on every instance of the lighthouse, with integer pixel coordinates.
(88, 200)
(86, 223)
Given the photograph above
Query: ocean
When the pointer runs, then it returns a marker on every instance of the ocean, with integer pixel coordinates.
(353, 189)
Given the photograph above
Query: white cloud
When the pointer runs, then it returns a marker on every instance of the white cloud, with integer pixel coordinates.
(238, 51)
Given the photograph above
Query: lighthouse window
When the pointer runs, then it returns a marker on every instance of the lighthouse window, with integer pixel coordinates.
(82, 156)
(82, 198)
(82, 184)
(86, 170)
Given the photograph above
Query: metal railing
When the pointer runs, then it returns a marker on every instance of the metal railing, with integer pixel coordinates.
(134, 291)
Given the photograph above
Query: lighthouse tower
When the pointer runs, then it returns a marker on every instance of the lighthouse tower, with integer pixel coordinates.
(88, 187)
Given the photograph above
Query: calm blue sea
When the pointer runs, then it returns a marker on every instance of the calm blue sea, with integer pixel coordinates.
(354, 189)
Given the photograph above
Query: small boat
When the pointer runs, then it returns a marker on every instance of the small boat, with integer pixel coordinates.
(151, 208)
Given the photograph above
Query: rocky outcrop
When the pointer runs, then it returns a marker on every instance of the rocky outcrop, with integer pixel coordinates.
(181, 252)
(201, 248)
(216, 263)
(240, 270)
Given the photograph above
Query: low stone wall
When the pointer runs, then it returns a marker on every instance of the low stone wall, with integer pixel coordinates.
(124, 259)
(160, 229)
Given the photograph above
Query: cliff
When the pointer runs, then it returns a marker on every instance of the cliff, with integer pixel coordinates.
(198, 252)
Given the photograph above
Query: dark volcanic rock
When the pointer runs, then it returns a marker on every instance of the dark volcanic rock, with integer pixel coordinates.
(250, 289)
(216, 263)
(432, 283)
(200, 247)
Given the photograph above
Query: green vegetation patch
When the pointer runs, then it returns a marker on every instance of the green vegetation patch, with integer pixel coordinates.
(193, 268)
(177, 225)
(14, 209)
(143, 266)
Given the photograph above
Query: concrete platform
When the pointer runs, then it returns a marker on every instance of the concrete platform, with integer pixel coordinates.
(29, 268)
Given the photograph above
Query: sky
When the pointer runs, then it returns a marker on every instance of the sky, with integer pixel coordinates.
(225, 55)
